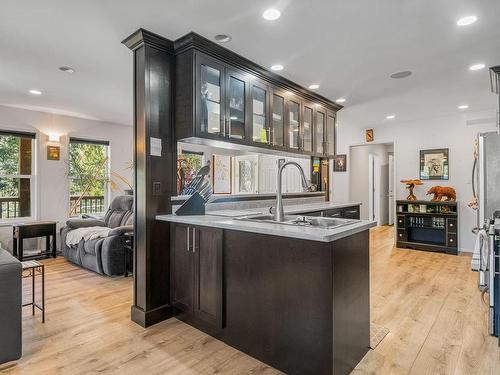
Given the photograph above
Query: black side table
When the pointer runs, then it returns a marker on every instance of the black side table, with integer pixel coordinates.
(31, 269)
(129, 253)
(34, 229)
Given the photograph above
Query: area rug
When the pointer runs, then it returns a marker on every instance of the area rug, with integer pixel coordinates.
(377, 334)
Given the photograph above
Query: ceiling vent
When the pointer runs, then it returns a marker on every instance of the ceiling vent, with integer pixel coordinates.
(400, 75)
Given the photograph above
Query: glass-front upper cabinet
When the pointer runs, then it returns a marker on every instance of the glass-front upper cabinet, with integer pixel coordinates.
(278, 120)
(293, 124)
(307, 128)
(319, 137)
(210, 94)
(260, 130)
(330, 134)
(236, 103)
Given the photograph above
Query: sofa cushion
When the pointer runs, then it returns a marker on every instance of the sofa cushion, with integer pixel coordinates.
(114, 219)
(10, 308)
(89, 247)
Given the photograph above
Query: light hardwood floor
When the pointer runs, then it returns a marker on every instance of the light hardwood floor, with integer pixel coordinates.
(429, 302)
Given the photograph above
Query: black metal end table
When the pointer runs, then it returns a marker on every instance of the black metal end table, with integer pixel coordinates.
(32, 268)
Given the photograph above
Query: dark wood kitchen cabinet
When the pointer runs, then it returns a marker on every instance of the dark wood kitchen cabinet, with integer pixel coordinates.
(331, 134)
(196, 272)
(319, 132)
(221, 96)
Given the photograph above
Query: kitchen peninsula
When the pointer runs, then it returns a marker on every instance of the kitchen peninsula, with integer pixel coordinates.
(294, 296)
(294, 293)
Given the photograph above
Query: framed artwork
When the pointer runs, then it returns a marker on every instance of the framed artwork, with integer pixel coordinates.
(53, 152)
(434, 164)
(188, 165)
(221, 174)
(246, 174)
(369, 136)
(340, 163)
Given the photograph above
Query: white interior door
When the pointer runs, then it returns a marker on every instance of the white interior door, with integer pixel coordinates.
(371, 187)
(374, 188)
(390, 195)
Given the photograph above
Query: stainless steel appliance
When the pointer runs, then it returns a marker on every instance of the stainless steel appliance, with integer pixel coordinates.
(487, 192)
(493, 274)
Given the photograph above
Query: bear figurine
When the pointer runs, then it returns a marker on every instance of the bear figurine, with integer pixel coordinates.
(442, 191)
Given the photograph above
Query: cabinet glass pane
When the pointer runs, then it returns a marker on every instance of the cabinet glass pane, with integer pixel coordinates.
(307, 136)
(278, 120)
(320, 132)
(330, 134)
(260, 132)
(293, 124)
(236, 108)
(210, 100)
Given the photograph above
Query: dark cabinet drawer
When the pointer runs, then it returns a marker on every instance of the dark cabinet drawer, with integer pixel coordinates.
(401, 235)
(401, 222)
(451, 240)
(452, 225)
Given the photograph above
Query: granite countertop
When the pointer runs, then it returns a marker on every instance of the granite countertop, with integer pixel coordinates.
(302, 232)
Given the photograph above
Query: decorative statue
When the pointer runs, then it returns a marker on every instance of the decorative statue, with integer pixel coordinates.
(442, 191)
(410, 185)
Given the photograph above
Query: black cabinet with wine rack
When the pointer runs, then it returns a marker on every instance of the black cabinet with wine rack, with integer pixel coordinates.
(426, 225)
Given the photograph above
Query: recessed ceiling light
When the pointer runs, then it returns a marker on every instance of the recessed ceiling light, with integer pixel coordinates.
(223, 38)
(67, 69)
(476, 67)
(314, 86)
(340, 100)
(35, 92)
(277, 67)
(271, 14)
(403, 74)
(466, 21)
(463, 106)
(390, 117)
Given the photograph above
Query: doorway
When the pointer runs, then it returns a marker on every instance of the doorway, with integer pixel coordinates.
(371, 181)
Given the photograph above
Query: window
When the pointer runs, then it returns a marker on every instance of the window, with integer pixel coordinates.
(16, 175)
(88, 176)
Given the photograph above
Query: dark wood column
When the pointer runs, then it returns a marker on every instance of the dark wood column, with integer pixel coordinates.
(154, 177)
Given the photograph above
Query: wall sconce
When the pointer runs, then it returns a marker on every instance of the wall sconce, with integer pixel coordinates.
(54, 137)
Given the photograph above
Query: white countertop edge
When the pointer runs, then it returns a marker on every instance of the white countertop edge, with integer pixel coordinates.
(311, 234)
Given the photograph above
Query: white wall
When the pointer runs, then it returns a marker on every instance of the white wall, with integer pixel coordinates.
(51, 176)
(409, 138)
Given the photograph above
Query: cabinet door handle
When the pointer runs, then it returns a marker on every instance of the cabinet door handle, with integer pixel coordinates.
(187, 249)
(194, 240)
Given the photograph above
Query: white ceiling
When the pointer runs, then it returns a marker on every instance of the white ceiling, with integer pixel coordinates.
(349, 47)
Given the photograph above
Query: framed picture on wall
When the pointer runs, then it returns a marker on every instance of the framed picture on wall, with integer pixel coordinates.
(221, 174)
(340, 163)
(246, 174)
(53, 152)
(434, 164)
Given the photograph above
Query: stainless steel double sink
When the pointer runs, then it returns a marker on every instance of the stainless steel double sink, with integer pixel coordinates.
(300, 220)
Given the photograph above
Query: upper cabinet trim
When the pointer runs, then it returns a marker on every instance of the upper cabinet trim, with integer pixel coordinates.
(144, 37)
(202, 44)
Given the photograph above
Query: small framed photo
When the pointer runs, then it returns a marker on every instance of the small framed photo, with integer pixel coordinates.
(434, 164)
(340, 163)
(53, 152)
(369, 136)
